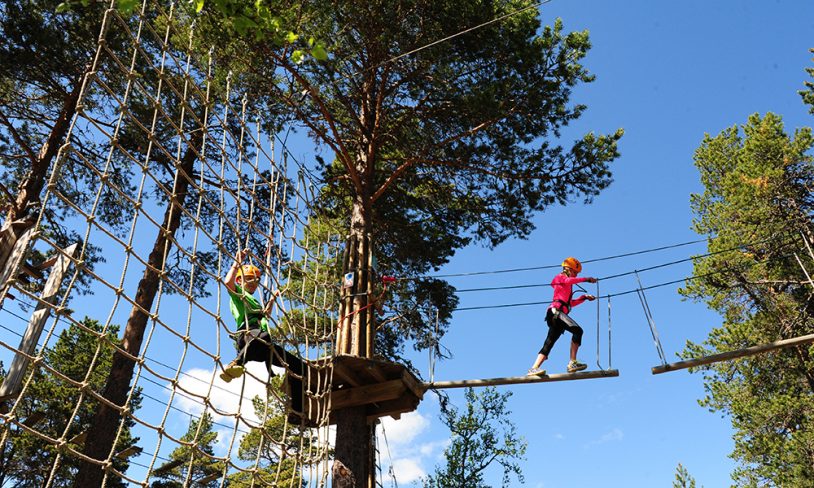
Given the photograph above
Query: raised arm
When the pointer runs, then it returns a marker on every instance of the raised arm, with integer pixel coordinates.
(231, 275)
(573, 280)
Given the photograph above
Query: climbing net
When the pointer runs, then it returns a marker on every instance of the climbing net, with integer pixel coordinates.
(170, 167)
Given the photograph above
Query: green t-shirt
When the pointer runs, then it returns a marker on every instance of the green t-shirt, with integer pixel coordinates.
(247, 310)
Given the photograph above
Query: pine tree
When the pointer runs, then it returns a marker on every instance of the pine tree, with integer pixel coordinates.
(192, 465)
(757, 199)
(279, 449)
(683, 478)
(482, 434)
(27, 459)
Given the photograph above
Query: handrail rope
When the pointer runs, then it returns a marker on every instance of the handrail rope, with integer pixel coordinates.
(598, 364)
(556, 266)
(627, 292)
(610, 362)
(533, 285)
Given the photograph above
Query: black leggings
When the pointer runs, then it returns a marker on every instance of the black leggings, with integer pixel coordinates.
(558, 322)
(256, 345)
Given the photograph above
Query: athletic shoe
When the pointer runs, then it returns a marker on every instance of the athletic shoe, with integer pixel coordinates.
(231, 371)
(575, 366)
(536, 372)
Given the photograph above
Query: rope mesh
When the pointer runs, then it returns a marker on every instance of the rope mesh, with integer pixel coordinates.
(176, 166)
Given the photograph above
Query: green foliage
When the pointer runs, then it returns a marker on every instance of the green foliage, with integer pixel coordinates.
(757, 198)
(190, 465)
(480, 435)
(279, 449)
(683, 478)
(453, 144)
(27, 459)
(43, 58)
(262, 21)
(808, 93)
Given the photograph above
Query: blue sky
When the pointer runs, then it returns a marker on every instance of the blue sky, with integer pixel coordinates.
(667, 72)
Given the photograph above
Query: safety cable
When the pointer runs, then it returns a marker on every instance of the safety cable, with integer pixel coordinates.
(457, 34)
(627, 273)
(555, 266)
(610, 295)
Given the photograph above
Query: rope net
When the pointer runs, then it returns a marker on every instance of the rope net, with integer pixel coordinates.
(167, 171)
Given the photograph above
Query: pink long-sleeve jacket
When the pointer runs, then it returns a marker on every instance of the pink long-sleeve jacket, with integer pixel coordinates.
(563, 292)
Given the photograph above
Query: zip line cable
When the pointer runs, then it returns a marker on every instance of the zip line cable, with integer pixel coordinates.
(457, 34)
(554, 266)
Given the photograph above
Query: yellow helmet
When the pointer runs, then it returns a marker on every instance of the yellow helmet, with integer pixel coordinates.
(249, 270)
(572, 263)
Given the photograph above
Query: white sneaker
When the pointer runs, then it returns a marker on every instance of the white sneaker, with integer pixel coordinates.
(536, 372)
(574, 366)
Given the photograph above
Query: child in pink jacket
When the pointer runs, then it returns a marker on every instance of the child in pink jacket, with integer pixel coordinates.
(557, 316)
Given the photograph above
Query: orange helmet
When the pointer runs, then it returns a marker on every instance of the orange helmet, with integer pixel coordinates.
(572, 263)
(249, 270)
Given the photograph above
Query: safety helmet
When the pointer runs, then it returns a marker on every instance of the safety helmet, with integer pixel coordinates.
(572, 263)
(249, 270)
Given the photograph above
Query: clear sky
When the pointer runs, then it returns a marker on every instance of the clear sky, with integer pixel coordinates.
(667, 72)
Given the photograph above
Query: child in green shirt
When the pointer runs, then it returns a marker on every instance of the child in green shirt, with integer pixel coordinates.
(253, 339)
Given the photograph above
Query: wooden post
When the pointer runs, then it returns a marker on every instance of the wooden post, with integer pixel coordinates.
(725, 356)
(352, 453)
(13, 382)
(12, 253)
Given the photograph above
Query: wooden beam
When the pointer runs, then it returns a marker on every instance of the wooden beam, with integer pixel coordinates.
(11, 264)
(13, 383)
(31, 271)
(740, 353)
(364, 395)
(79, 438)
(413, 384)
(515, 380)
(345, 374)
(212, 477)
(130, 451)
(392, 408)
(373, 370)
(34, 418)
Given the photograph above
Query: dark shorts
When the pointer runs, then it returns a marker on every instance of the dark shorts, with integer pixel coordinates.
(558, 322)
(256, 345)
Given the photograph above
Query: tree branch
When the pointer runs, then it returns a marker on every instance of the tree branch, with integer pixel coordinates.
(32, 156)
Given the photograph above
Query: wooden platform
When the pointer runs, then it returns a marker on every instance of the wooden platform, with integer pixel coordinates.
(515, 380)
(382, 387)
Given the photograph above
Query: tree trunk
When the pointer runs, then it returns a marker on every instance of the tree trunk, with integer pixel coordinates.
(353, 456)
(102, 432)
(23, 214)
(35, 180)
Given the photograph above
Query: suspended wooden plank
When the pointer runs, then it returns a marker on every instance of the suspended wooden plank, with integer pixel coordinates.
(515, 380)
(740, 353)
